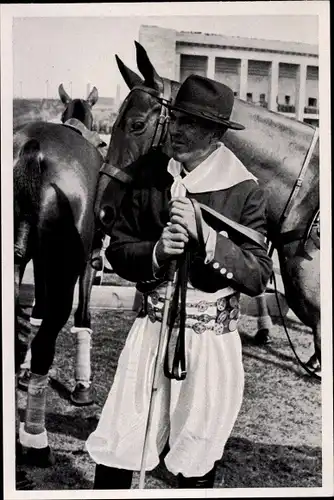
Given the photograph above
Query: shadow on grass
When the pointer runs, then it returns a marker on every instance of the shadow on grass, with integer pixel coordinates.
(294, 324)
(258, 465)
(250, 465)
(60, 388)
(247, 340)
(71, 425)
(62, 476)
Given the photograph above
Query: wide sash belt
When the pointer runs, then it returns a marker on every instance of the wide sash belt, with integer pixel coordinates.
(204, 312)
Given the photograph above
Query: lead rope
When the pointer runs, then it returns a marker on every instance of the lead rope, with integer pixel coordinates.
(301, 363)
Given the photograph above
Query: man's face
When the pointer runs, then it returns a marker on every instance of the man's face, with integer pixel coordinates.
(189, 136)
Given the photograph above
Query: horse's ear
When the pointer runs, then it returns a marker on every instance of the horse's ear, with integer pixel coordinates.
(130, 77)
(64, 97)
(93, 97)
(152, 79)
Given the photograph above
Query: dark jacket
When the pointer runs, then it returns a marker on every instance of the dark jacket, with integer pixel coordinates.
(144, 214)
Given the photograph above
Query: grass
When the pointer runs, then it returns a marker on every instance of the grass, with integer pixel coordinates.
(276, 441)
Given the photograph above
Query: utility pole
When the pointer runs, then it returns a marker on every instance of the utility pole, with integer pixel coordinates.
(118, 97)
(88, 89)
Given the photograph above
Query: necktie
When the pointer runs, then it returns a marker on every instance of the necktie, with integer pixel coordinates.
(178, 188)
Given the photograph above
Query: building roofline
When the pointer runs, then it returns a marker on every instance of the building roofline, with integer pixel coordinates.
(192, 37)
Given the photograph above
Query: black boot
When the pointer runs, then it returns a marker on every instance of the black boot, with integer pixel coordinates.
(110, 478)
(206, 481)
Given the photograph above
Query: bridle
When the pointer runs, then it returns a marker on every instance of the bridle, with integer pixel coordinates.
(160, 131)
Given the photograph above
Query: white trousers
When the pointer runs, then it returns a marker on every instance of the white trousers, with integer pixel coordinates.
(197, 414)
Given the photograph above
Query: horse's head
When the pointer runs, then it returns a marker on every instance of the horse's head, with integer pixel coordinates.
(142, 122)
(78, 108)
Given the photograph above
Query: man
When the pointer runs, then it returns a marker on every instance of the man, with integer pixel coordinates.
(158, 224)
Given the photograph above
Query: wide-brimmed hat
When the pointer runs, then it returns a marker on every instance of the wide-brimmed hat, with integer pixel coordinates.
(207, 99)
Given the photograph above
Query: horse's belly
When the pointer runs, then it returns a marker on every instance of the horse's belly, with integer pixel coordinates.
(302, 285)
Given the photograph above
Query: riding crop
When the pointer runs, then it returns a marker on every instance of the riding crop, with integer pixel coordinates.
(169, 290)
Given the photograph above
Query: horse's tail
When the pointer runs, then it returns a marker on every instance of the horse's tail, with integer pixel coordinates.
(28, 180)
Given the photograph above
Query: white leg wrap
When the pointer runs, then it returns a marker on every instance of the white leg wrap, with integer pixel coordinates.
(35, 321)
(27, 361)
(36, 402)
(32, 440)
(82, 363)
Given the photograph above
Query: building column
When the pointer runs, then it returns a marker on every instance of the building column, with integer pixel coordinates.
(243, 78)
(177, 67)
(210, 72)
(273, 86)
(301, 92)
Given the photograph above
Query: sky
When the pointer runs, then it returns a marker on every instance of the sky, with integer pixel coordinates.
(75, 51)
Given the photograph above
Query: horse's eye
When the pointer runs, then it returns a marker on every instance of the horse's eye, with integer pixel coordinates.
(137, 126)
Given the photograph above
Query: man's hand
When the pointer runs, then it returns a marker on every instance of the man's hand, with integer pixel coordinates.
(182, 213)
(171, 243)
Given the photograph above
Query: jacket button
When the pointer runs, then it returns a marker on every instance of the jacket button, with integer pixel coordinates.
(229, 276)
(223, 270)
(215, 265)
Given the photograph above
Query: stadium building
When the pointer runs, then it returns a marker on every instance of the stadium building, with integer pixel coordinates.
(282, 76)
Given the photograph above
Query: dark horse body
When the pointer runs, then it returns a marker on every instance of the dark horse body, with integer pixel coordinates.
(55, 174)
(274, 148)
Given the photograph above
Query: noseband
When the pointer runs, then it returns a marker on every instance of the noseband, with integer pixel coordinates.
(160, 130)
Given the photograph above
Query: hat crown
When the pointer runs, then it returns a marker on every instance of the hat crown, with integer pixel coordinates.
(207, 99)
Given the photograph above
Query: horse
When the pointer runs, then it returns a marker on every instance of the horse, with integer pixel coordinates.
(282, 153)
(56, 170)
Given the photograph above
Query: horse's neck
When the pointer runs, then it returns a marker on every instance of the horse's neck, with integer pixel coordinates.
(274, 148)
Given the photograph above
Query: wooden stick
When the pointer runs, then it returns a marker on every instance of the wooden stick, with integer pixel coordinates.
(163, 329)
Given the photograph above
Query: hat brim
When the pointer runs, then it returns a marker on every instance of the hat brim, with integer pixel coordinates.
(205, 116)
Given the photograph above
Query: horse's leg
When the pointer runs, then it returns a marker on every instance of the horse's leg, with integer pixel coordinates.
(264, 323)
(21, 258)
(301, 277)
(62, 259)
(33, 435)
(39, 304)
(82, 394)
(37, 312)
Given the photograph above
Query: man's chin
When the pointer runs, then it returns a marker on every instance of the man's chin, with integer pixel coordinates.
(179, 155)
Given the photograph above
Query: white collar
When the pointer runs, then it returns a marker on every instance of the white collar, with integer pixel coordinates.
(220, 170)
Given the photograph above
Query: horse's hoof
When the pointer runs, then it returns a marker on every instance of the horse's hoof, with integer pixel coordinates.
(314, 366)
(23, 482)
(313, 363)
(39, 457)
(262, 337)
(23, 379)
(82, 396)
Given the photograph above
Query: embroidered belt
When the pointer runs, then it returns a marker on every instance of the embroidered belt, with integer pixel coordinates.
(220, 314)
